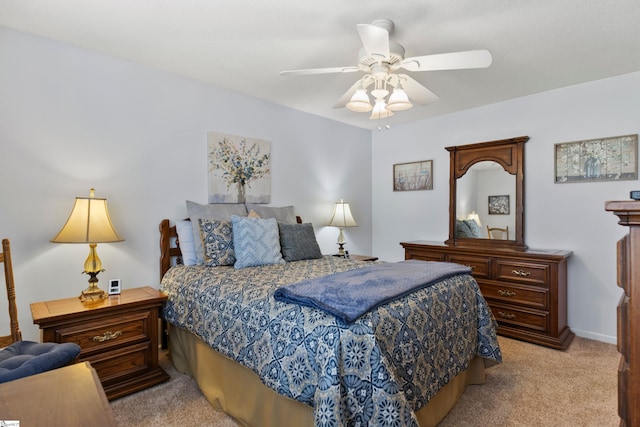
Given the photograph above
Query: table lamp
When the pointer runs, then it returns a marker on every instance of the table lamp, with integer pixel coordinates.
(341, 217)
(89, 222)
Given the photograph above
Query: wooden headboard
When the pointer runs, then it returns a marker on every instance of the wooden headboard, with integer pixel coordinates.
(169, 246)
(170, 253)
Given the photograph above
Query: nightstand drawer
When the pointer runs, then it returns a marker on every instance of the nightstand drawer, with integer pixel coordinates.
(107, 333)
(123, 362)
(514, 294)
(480, 266)
(518, 271)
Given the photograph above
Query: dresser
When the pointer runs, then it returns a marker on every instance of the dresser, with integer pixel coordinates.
(118, 335)
(628, 265)
(525, 288)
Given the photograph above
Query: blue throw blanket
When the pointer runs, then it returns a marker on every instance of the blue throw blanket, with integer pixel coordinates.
(350, 294)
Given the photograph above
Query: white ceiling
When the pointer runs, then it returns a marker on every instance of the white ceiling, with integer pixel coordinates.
(242, 45)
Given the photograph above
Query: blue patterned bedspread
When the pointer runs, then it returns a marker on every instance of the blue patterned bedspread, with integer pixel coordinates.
(378, 370)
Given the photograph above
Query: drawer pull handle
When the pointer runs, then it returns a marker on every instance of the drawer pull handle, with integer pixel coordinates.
(107, 336)
(506, 315)
(521, 273)
(506, 293)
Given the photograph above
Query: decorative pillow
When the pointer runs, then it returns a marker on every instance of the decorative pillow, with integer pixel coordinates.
(284, 214)
(256, 241)
(473, 227)
(217, 239)
(187, 245)
(253, 214)
(462, 229)
(298, 242)
(212, 211)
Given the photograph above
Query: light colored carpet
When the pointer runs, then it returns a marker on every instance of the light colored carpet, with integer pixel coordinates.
(534, 386)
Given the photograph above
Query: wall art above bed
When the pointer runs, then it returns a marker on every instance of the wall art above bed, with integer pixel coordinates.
(239, 169)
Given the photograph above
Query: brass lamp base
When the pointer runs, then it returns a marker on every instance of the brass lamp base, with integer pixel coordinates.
(93, 292)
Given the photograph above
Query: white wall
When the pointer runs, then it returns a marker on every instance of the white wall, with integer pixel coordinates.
(73, 119)
(558, 216)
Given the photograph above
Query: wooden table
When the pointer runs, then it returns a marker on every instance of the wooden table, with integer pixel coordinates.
(69, 396)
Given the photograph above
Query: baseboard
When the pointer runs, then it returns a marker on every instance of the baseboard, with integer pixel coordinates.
(594, 336)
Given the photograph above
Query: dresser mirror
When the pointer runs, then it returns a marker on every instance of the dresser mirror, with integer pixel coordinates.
(486, 186)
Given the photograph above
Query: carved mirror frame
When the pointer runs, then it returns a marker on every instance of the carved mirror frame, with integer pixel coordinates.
(508, 153)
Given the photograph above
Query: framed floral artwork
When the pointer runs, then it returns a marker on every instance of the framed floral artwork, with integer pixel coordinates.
(499, 205)
(239, 169)
(604, 159)
(413, 176)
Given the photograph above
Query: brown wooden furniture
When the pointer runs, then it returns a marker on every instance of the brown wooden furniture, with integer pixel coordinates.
(118, 335)
(526, 289)
(498, 233)
(363, 257)
(71, 396)
(509, 154)
(5, 259)
(628, 251)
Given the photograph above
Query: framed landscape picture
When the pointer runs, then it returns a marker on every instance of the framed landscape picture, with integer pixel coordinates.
(413, 176)
(604, 159)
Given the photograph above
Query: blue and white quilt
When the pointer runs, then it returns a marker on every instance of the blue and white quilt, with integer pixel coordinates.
(379, 370)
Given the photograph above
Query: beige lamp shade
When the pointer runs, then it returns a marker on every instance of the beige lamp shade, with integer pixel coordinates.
(474, 216)
(341, 216)
(89, 222)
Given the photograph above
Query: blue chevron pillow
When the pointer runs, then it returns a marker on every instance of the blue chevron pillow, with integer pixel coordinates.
(256, 241)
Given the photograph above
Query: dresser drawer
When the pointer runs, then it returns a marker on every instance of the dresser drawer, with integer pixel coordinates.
(530, 273)
(520, 317)
(480, 266)
(425, 256)
(510, 293)
(103, 334)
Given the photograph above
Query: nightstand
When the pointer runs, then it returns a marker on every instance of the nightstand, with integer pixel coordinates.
(118, 336)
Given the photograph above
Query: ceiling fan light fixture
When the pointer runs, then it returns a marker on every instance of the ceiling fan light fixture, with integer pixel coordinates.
(380, 110)
(399, 100)
(379, 93)
(359, 102)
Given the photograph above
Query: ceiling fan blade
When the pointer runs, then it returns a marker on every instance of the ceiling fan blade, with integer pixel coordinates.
(417, 92)
(375, 40)
(309, 71)
(448, 61)
(346, 97)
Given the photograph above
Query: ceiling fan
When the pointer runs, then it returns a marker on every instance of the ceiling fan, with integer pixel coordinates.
(381, 59)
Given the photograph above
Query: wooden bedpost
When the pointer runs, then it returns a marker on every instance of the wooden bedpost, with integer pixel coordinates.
(165, 241)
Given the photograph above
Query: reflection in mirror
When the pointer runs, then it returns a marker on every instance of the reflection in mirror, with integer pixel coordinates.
(485, 199)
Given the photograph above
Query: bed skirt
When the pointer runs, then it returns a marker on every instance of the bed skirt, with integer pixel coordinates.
(238, 391)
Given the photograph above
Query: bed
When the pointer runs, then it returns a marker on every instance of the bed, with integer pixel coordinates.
(272, 363)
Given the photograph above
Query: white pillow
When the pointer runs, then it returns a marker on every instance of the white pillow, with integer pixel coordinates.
(187, 245)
